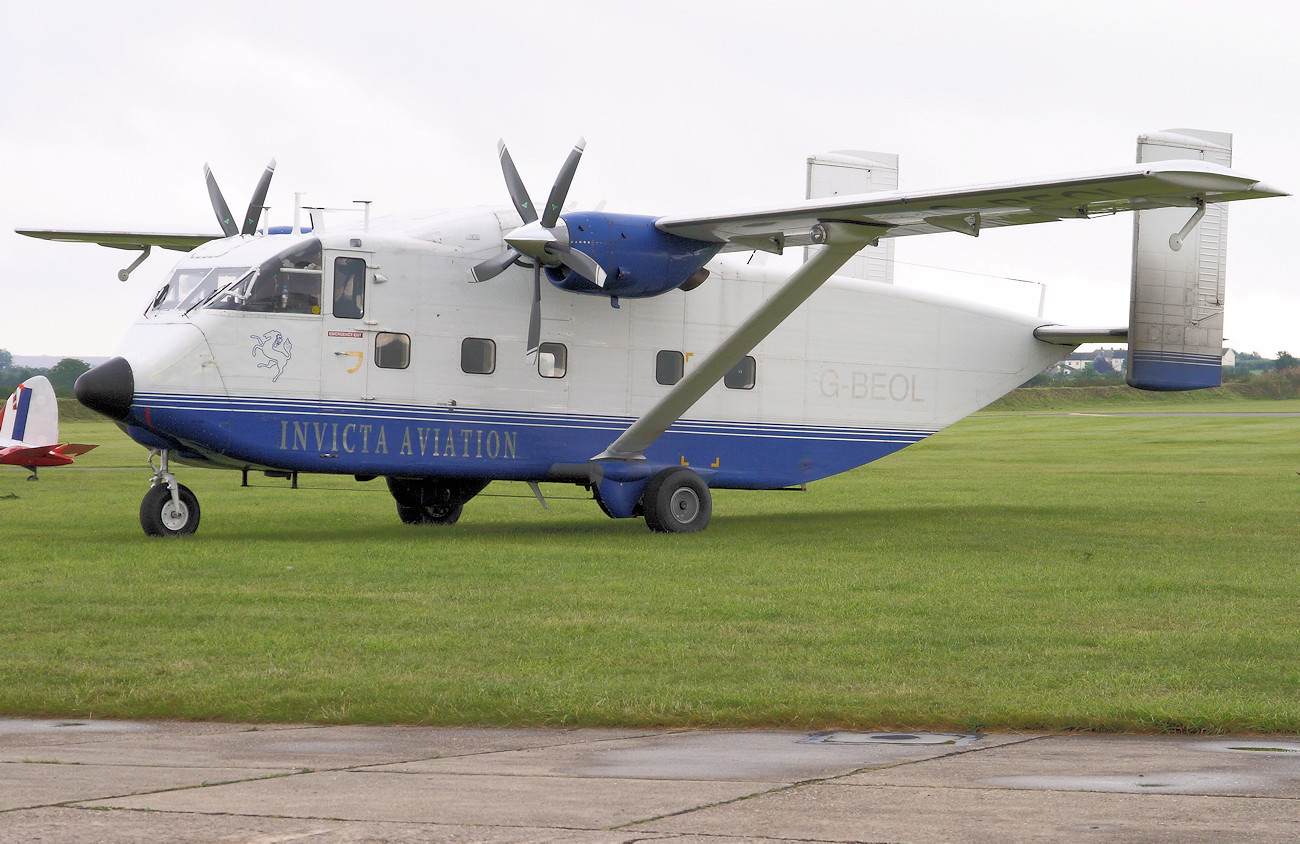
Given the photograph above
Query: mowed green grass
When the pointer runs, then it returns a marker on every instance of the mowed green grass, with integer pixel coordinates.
(1016, 572)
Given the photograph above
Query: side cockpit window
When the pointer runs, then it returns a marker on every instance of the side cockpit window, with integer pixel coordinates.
(289, 283)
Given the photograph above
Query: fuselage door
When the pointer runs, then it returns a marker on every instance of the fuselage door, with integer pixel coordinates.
(347, 343)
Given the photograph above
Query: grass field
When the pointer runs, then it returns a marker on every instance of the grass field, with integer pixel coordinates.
(1018, 571)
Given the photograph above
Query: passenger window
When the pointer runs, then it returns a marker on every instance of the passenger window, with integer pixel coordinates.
(349, 287)
(669, 367)
(392, 351)
(478, 356)
(552, 360)
(741, 376)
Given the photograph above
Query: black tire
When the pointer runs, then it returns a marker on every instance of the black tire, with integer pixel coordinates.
(158, 517)
(677, 501)
(428, 503)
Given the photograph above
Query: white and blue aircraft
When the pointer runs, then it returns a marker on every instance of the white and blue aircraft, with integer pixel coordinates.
(426, 348)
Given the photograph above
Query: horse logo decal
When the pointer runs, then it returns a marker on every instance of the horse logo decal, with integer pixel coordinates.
(276, 349)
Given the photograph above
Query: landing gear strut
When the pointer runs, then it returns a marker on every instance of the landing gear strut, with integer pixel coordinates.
(168, 508)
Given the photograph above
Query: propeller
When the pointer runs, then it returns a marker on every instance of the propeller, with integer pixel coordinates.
(544, 239)
(255, 206)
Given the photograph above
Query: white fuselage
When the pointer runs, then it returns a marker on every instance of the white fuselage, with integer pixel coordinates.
(859, 370)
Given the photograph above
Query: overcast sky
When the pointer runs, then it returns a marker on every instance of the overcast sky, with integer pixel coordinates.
(109, 111)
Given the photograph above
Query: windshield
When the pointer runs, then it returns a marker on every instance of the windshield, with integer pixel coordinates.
(187, 287)
(288, 283)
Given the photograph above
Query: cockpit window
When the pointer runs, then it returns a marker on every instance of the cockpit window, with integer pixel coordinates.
(189, 286)
(289, 283)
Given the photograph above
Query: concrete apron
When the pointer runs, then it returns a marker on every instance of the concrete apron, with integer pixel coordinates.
(131, 781)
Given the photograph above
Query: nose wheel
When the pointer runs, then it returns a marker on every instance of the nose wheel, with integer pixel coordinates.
(168, 508)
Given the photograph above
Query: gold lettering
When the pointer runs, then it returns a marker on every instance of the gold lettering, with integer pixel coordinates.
(320, 434)
(451, 445)
(299, 436)
(406, 441)
(347, 446)
(493, 444)
(509, 437)
(381, 447)
(284, 433)
(365, 438)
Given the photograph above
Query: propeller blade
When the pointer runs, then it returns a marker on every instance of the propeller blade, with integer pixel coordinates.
(518, 193)
(259, 200)
(579, 262)
(219, 205)
(535, 318)
(560, 190)
(493, 267)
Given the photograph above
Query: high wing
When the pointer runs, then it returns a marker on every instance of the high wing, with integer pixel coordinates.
(125, 240)
(842, 225)
(971, 209)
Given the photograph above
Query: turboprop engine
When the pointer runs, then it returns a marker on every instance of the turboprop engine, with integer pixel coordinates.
(635, 258)
(590, 252)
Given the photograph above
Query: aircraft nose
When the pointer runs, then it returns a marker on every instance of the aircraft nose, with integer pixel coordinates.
(108, 388)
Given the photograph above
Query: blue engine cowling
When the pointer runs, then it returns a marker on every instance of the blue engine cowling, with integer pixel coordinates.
(638, 259)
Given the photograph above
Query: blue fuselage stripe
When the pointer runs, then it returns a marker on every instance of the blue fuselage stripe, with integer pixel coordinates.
(389, 439)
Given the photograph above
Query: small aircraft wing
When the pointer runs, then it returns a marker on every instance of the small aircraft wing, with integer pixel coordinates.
(125, 240)
(969, 210)
(42, 455)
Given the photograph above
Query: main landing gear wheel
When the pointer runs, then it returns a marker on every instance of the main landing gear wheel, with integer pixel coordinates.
(432, 502)
(160, 516)
(430, 514)
(677, 501)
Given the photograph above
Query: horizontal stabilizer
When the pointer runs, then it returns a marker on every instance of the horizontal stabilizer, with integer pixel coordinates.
(1068, 335)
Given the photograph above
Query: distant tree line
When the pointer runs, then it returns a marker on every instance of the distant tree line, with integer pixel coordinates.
(62, 375)
(1249, 365)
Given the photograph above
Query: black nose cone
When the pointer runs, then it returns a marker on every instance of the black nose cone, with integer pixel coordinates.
(107, 388)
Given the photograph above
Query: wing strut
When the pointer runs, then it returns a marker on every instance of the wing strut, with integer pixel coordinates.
(840, 242)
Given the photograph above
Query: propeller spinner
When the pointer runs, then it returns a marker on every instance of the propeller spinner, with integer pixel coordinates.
(544, 239)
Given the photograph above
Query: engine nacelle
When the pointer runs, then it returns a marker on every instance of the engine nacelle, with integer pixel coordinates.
(638, 259)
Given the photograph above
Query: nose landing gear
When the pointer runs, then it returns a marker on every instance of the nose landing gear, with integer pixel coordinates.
(168, 508)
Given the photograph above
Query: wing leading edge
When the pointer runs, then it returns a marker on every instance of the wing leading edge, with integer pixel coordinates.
(969, 210)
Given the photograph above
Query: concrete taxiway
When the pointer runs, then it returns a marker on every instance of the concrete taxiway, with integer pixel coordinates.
(92, 780)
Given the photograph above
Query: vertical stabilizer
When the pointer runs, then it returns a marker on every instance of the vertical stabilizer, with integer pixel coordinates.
(31, 414)
(848, 172)
(1176, 308)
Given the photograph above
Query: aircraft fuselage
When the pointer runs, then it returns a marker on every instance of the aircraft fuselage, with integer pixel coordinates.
(378, 357)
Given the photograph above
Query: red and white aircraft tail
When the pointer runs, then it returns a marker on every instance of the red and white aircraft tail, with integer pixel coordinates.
(29, 428)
